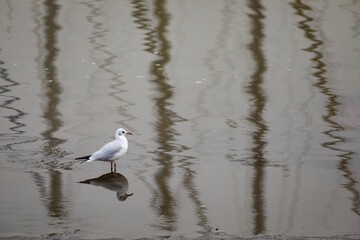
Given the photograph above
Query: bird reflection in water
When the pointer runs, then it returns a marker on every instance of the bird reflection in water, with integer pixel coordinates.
(114, 182)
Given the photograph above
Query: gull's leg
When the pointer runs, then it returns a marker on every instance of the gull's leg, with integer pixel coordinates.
(114, 166)
(111, 164)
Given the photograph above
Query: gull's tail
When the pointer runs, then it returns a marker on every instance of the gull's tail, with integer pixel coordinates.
(85, 158)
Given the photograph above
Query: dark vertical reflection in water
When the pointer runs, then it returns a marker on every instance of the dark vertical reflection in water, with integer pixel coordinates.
(5, 88)
(144, 23)
(156, 43)
(258, 99)
(16, 127)
(193, 194)
(6, 85)
(332, 104)
(166, 208)
(51, 86)
(52, 198)
(164, 201)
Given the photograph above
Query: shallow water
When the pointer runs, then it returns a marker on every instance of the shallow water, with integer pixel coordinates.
(245, 114)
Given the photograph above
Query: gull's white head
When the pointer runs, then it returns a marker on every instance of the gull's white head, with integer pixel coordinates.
(121, 132)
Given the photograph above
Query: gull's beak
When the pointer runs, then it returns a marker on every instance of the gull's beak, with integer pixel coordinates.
(128, 133)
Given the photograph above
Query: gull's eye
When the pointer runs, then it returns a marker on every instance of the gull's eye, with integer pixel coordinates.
(123, 132)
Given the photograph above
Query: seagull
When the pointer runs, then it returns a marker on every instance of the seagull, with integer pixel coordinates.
(111, 151)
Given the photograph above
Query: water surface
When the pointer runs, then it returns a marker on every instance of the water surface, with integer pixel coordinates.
(245, 114)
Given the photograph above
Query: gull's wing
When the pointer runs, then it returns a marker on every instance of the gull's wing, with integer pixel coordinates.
(107, 152)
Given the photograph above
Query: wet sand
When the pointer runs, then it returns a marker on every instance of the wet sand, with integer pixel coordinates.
(215, 236)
